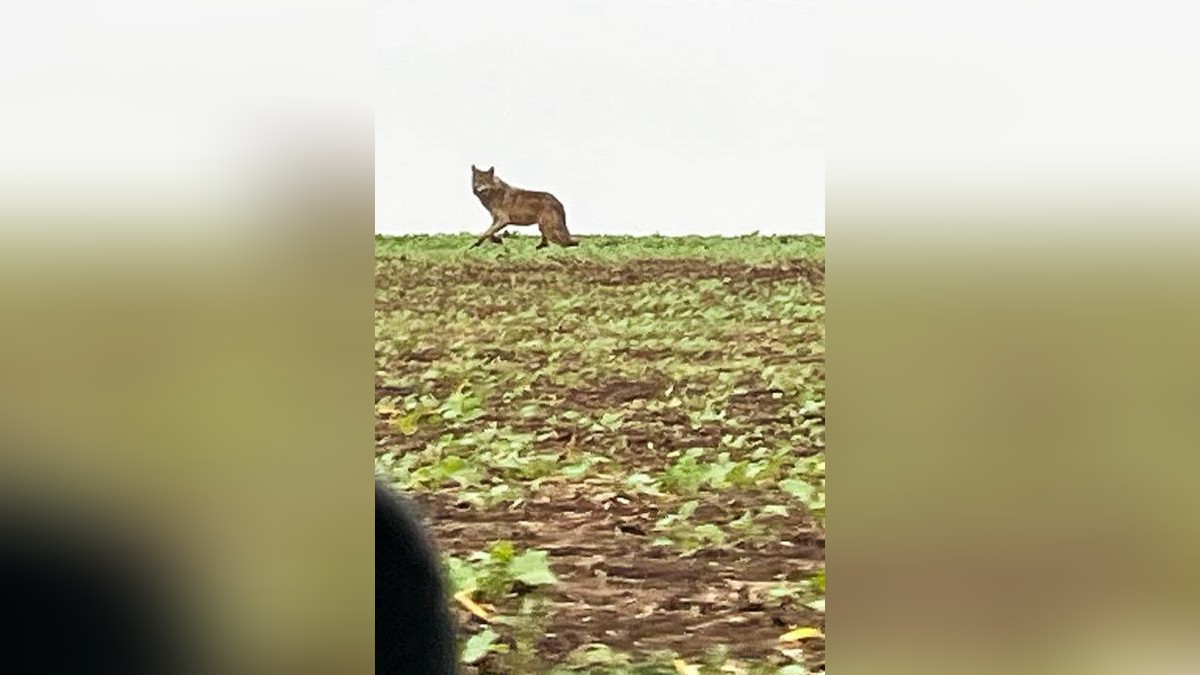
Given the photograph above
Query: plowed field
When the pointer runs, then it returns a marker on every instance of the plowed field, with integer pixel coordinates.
(619, 447)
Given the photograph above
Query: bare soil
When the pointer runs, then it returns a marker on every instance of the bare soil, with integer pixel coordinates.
(615, 586)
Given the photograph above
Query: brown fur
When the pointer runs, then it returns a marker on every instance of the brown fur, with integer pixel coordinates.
(514, 206)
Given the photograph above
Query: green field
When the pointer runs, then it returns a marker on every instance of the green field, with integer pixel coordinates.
(619, 447)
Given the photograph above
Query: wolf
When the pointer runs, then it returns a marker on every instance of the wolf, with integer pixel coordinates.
(514, 206)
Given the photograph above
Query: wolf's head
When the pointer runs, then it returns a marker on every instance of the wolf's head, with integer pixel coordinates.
(482, 181)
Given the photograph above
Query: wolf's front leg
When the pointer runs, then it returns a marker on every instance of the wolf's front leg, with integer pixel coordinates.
(497, 225)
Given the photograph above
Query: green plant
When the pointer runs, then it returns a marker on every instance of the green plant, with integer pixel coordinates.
(499, 571)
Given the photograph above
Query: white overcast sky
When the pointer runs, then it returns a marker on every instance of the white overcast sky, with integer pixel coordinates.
(642, 116)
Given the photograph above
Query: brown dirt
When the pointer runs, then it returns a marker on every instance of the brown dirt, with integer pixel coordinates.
(615, 586)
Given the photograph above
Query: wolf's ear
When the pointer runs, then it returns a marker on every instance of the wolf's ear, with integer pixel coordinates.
(491, 171)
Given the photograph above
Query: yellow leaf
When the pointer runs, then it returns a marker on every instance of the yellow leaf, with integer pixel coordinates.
(801, 634)
(683, 668)
(470, 605)
(407, 425)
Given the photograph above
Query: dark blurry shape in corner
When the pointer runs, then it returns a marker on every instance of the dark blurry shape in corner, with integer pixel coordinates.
(414, 631)
(79, 595)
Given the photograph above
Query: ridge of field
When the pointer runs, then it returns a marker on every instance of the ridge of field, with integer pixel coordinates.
(619, 446)
(747, 248)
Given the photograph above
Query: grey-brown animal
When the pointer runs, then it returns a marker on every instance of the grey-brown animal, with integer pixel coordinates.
(513, 206)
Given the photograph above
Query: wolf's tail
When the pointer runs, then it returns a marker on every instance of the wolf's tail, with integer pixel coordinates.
(555, 228)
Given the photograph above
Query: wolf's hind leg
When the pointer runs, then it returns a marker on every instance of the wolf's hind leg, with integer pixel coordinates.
(553, 230)
(546, 228)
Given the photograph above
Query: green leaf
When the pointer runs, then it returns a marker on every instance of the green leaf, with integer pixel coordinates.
(597, 655)
(641, 482)
(462, 575)
(711, 533)
(818, 582)
(479, 646)
(775, 510)
(532, 569)
(784, 590)
(687, 509)
(798, 489)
